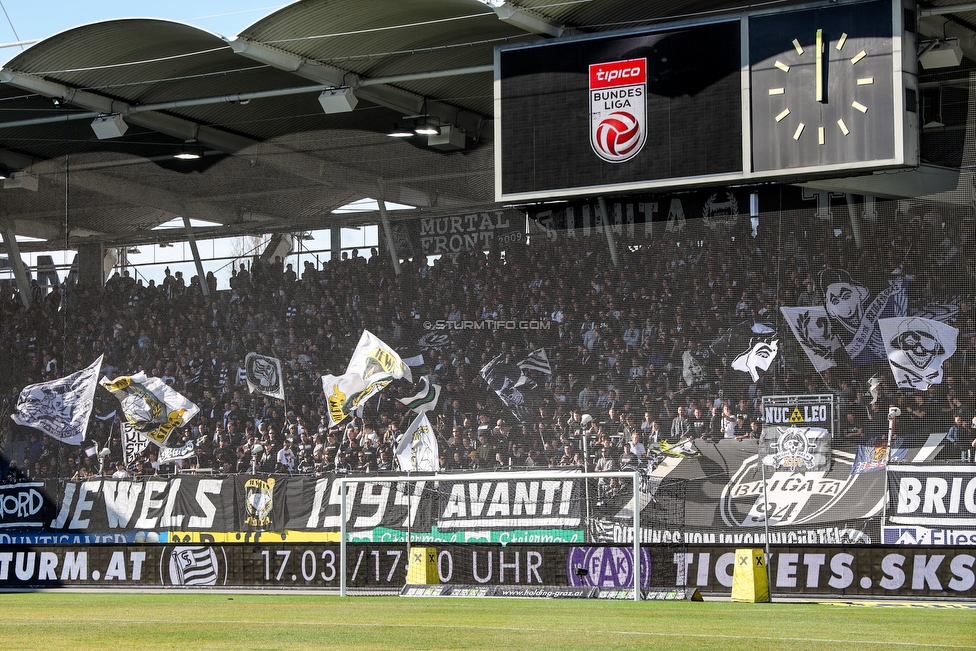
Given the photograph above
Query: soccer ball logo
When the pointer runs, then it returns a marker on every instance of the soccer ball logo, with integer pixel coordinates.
(618, 136)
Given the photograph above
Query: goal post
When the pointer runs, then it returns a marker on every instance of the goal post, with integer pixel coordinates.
(554, 498)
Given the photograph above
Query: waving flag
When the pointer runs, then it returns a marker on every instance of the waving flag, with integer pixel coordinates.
(374, 361)
(377, 365)
(343, 395)
(417, 449)
(538, 361)
(263, 375)
(752, 347)
(916, 349)
(425, 399)
(150, 406)
(503, 377)
(60, 408)
(811, 327)
(691, 368)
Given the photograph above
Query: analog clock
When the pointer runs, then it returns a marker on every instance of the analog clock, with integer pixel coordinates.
(821, 84)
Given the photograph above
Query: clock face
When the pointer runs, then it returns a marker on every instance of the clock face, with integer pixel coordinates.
(821, 87)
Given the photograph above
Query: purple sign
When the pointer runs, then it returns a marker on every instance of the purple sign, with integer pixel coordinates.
(607, 567)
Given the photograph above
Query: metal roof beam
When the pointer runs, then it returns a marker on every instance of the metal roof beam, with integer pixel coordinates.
(168, 124)
(528, 21)
(40, 230)
(378, 91)
(137, 194)
(16, 262)
(947, 9)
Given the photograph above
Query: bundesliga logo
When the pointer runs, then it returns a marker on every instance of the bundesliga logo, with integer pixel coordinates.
(618, 109)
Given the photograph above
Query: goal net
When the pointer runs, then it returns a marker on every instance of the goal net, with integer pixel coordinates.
(505, 534)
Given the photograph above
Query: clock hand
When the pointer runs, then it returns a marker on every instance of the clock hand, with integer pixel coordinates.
(820, 79)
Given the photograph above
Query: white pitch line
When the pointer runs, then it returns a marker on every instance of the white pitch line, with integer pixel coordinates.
(513, 629)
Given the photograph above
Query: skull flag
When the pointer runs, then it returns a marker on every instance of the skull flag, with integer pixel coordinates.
(916, 348)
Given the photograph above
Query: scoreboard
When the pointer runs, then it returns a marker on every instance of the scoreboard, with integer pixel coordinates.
(811, 91)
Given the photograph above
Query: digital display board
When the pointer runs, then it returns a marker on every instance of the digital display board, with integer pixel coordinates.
(619, 110)
(798, 93)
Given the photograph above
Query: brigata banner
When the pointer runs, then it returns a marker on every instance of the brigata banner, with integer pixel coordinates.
(831, 572)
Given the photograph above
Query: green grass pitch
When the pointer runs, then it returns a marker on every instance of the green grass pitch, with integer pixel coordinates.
(253, 621)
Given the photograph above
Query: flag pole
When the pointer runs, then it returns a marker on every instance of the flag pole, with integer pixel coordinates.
(893, 414)
(101, 457)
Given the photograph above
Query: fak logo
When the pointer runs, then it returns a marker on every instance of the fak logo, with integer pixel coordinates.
(607, 567)
(618, 109)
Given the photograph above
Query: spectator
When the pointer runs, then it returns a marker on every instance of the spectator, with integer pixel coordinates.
(680, 427)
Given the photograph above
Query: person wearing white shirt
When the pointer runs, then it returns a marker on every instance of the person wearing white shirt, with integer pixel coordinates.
(728, 423)
(286, 457)
(636, 447)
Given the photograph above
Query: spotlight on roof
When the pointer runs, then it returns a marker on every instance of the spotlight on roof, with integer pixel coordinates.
(448, 138)
(941, 53)
(401, 131)
(20, 180)
(189, 151)
(338, 100)
(428, 126)
(109, 126)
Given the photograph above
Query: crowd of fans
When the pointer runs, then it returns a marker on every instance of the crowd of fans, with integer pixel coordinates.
(615, 336)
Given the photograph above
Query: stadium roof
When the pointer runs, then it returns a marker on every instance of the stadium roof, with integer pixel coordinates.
(272, 158)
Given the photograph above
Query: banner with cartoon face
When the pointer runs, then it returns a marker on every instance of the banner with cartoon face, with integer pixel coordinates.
(916, 349)
(847, 319)
(752, 349)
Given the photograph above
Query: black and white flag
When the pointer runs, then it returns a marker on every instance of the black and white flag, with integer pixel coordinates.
(691, 369)
(753, 349)
(263, 375)
(425, 399)
(812, 329)
(503, 378)
(133, 443)
(537, 361)
(916, 348)
(185, 451)
(60, 408)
